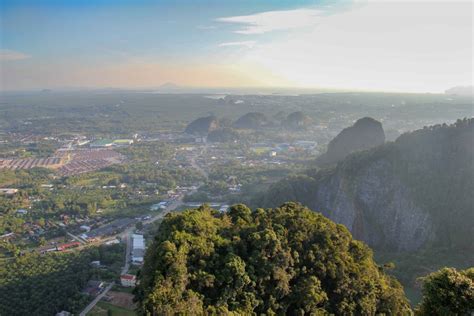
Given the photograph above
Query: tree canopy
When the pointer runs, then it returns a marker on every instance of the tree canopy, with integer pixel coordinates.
(286, 260)
(448, 292)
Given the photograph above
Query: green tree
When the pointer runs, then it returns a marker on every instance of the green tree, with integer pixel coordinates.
(448, 292)
(139, 225)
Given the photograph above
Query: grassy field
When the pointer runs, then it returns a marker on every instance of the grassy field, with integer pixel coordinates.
(103, 308)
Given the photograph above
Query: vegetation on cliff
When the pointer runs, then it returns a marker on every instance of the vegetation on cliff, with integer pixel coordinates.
(252, 120)
(366, 133)
(286, 260)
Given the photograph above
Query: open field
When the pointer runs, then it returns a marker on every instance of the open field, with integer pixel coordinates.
(103, 308)
(122, 299)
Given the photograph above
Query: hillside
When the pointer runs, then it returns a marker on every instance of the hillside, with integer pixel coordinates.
(252, 120)
(366, 133)
(413, 193)
(297, 121)
(287, 260)
(202, 126)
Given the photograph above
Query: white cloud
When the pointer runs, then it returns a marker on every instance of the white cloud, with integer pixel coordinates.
(8, 55)
(247, 44)
(206, 27)
(274, 20)
(398, 46)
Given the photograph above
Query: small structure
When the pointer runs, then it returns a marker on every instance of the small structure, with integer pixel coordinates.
(73, 244)
(85, 228)
(101, 143)
(8, 191)
(112, 242)
(123, 142)
(64, 313)
(93, 287)
(158, 206)
(128, 280)
(22, 212)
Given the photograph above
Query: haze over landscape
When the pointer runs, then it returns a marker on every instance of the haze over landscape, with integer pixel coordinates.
(304, 157)
(368, 45)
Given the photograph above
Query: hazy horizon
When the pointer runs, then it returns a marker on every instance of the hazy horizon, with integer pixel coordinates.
(342, 45)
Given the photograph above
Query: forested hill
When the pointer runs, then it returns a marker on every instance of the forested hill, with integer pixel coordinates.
(283, 261)
(412, 193)
(366, 133)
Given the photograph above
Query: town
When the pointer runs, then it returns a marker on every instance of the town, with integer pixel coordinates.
(100, 194)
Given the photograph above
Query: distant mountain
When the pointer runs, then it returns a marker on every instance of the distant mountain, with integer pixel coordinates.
(297, 121)
(169, 86)
(252, 120)
(366, 133)
(202, 126)
(461, 90)
(412, 193)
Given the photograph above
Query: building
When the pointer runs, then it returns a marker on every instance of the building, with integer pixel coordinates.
(128, 280)
(101, 143)
(8, 191)
(122, 142)
(63, 313)
(22, 212)
(138, 248)
(159, 206)
(85, 228)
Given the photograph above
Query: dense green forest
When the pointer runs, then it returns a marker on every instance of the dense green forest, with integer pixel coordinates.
(33, 284)
(44, 285)
(286, 260)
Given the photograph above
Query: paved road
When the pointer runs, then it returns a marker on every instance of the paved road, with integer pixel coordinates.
(128, 248)
(97, 299)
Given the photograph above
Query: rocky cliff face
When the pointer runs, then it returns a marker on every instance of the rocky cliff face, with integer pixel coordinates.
(366, 133)
(377, 208)
(401, 196)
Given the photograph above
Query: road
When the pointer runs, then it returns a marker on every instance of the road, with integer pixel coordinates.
(97, 299)
(128, 249)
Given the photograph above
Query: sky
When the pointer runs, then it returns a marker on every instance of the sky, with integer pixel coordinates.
(412, 46)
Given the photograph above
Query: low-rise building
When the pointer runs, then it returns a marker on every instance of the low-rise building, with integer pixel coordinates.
(8, 191)
(138, 248)
(128, 280)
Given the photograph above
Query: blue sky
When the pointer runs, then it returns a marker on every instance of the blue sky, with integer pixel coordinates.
(97, 29)
(137, 44)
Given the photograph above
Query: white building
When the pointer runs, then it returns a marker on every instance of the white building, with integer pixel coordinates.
(128, 280)
(138, 248)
